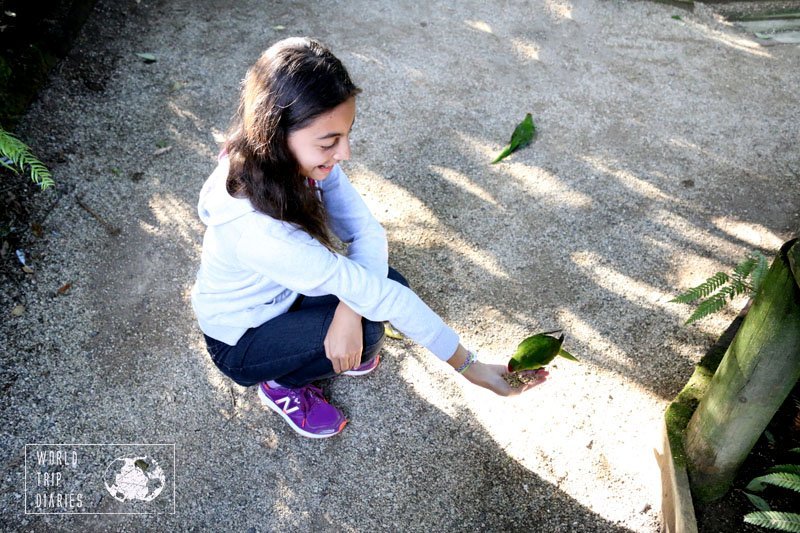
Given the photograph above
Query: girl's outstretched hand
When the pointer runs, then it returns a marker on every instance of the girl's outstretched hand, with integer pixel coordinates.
(491, 377)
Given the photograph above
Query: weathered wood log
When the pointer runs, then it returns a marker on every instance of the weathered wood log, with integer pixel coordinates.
(758, 371)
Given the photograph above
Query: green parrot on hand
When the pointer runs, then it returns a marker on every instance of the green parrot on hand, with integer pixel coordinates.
(522, 136)
(538, 351)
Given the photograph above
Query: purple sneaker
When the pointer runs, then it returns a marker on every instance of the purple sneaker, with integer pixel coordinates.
(305, 409)
(364, 368)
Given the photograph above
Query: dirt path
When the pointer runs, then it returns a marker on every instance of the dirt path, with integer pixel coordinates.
(666, 151)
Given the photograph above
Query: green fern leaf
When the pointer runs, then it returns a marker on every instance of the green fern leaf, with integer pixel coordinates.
(775, 520)
(758, 502)
(6, 162)
(11, 147)
(18, 156)
(784, 480)
(755, 485)
(738, 287)
(789, 469)
(709, 306)
(703, 290)
(40, 175)
(743, 269)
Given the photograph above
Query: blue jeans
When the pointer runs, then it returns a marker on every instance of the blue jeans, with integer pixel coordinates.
(289, 348)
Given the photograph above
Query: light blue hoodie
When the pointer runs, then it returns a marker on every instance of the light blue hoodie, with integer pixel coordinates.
(253, 267)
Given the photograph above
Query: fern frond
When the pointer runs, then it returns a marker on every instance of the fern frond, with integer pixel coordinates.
(791, 469)
(703, 290)
(743, 269)
(11, 147)
(784, 480)
(738, 287)
(7, 163)
(18, 156)
(711, 305)
(40, 174)
(775, 520)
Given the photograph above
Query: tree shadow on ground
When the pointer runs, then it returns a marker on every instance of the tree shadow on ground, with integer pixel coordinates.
(583, 222)
(505, 241)
(402, 464)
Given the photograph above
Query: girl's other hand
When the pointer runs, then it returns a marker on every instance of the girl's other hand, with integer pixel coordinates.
(491, 377)
(344, 341)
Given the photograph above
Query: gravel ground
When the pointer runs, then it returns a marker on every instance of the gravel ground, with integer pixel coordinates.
(666, 150)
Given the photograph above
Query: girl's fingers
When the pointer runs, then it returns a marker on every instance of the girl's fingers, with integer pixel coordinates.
(338, 364)
(344, 362)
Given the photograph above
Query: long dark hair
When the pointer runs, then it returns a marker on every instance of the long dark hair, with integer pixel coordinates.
(294, 81)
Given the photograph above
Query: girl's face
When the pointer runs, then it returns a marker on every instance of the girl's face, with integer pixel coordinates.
(325, 141)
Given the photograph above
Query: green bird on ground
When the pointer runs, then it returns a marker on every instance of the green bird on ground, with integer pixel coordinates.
(538, 351)
(522, 136)
(392, 333)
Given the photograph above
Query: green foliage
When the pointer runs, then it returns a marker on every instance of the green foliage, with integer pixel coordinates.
(791, 469)
(784, 476)
(16, 156)
(775, 520)
(758, 502)
(704, 289)
(786, 480)
(721, 287)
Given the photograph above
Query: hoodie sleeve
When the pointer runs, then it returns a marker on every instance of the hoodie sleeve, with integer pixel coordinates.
(294, 259)
(353, 223)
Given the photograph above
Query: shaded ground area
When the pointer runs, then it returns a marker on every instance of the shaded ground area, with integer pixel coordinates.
(666, 150)
(33, 37)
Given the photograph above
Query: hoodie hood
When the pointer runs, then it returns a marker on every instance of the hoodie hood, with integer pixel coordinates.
(216, 206)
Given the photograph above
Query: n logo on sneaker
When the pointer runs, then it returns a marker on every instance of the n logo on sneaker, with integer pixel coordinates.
(285, 407)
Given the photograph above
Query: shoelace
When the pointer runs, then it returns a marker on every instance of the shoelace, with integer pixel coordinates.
(308, 397)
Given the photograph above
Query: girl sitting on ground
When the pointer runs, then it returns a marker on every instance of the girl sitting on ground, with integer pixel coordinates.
(280, 305)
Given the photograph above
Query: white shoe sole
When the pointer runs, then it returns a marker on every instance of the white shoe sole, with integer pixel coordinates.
(362, 372)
